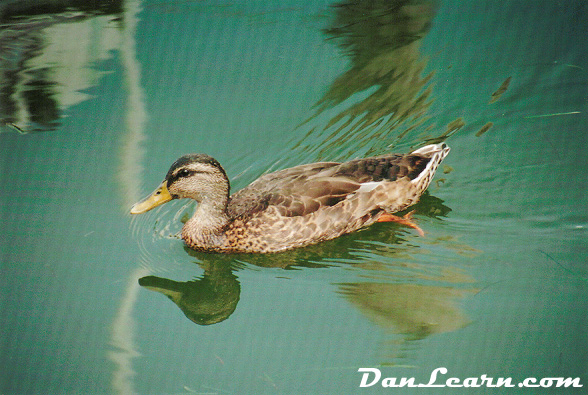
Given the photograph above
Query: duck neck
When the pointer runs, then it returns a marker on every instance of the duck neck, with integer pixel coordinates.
(205, 229)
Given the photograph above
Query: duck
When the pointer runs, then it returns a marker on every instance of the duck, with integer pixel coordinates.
(297, 206)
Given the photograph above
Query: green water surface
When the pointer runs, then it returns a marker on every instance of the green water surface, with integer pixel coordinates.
(97, 103)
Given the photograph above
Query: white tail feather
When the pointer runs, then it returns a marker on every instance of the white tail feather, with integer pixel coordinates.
(437, 152)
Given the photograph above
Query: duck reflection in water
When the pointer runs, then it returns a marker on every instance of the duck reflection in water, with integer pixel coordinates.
(205, 301)
(397, 303)
(382, 40)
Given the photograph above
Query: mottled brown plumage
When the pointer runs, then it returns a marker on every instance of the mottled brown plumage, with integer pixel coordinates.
(294, 207)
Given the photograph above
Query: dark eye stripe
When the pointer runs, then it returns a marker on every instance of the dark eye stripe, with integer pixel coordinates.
(183, 173)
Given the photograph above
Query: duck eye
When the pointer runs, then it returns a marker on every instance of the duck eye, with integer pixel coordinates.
(184, 173)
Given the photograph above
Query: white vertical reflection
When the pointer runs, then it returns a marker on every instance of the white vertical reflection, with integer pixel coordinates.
(123, 337)
(130, 173)
(131, 155)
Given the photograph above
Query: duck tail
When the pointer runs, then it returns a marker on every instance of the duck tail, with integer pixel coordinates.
(436, 153)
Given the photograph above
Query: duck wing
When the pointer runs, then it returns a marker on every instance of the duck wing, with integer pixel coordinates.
(304, 189)
(294, 191)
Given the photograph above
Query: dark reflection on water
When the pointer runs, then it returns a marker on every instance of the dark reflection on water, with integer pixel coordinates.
(413, 310)
(400, 304)
(370, 108)
(381, 39)
(208, 300)
(33, 91)
(12, 10)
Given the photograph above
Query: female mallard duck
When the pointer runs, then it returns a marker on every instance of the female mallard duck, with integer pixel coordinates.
(294, 207)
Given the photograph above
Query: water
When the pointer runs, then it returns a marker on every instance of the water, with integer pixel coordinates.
(97, 103)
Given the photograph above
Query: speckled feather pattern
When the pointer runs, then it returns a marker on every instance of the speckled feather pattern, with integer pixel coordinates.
(311, 203)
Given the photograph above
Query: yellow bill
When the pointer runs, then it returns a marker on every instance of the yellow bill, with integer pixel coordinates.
(157, 198)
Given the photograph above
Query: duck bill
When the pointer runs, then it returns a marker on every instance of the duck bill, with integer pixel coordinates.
(160, 196)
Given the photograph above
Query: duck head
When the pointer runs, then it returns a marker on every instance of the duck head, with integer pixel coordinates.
(194, 176)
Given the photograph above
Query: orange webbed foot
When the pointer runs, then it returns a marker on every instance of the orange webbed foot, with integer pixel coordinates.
(405, 220)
